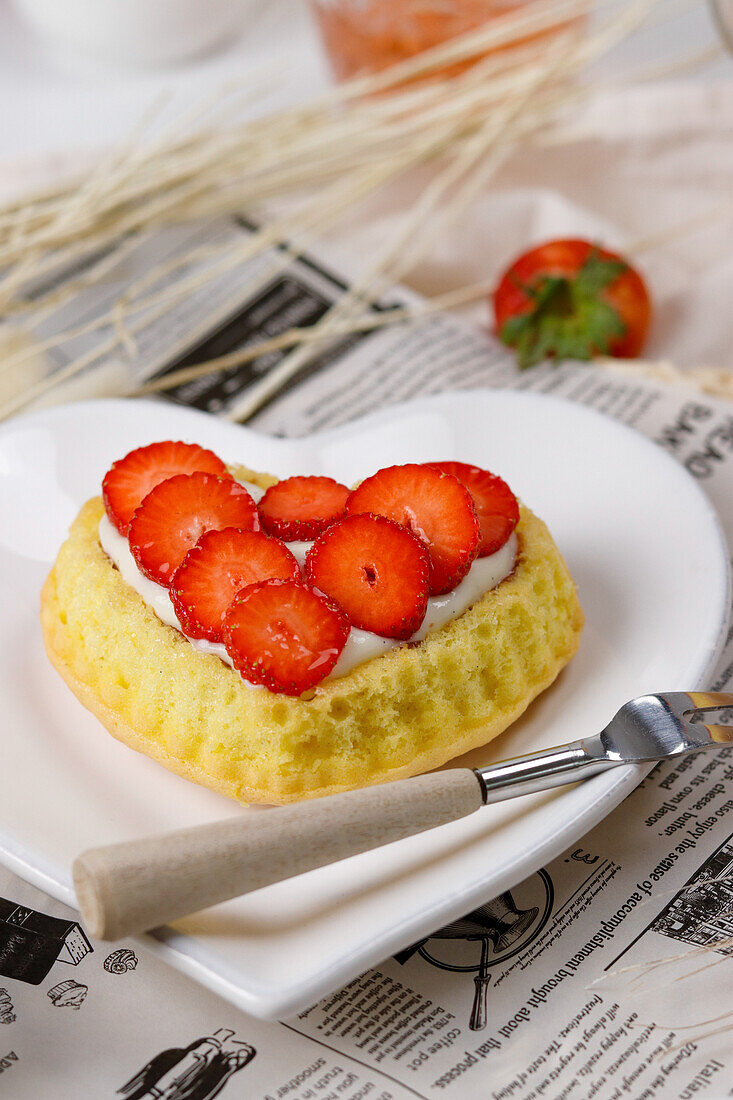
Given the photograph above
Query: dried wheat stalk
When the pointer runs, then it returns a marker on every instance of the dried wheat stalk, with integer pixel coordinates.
(320, 159)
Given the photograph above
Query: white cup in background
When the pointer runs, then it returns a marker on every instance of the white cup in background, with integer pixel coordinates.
(138, 32)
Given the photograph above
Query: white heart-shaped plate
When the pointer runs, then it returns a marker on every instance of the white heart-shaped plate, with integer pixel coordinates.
(641, 540)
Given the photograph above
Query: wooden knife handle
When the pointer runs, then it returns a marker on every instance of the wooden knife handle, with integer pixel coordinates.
(131, 887)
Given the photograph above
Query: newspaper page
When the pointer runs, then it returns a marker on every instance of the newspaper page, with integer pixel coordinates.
(603, 975)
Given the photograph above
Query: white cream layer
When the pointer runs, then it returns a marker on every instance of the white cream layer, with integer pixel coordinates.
(361, 645)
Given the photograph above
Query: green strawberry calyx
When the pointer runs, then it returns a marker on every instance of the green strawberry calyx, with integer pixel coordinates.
(569, 318)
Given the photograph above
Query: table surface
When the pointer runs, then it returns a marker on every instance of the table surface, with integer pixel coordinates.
(55, 102)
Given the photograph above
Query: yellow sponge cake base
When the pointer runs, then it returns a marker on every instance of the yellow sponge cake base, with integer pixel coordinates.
(399, 714)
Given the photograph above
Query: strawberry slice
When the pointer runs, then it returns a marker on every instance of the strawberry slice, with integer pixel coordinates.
(376, 571)
(495, 503)
(435, 507)
(129, 480)
(299, 508)
(284, 635)
(219, 566)
(176, 513)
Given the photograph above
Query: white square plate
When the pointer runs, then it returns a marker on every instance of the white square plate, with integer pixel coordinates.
(641, 541)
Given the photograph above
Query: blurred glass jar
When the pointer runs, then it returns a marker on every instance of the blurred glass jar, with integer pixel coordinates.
(364, 36)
